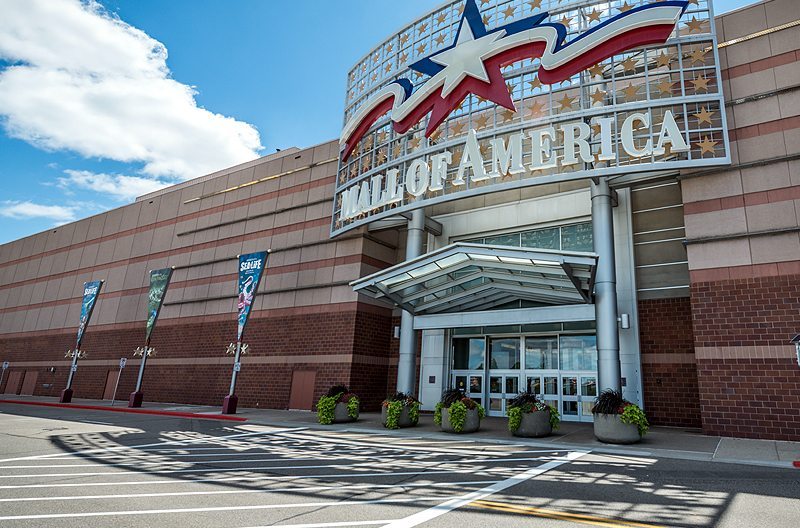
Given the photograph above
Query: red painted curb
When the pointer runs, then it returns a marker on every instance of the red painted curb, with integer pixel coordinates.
(797, 463)
(128, 410)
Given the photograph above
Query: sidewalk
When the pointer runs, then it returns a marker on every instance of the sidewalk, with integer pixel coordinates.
(660, 442)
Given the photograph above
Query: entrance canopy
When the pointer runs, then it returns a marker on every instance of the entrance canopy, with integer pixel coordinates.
(469, 277)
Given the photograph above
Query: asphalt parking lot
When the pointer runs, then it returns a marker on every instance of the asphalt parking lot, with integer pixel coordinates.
(66, 468)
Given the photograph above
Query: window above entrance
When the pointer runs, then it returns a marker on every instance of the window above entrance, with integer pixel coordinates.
(472, 277)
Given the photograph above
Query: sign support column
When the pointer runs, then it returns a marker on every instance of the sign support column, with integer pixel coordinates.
(605, 286)
(407, 363)
(90, 292)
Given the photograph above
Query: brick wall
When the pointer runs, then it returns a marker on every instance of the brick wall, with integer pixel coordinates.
(748, 377)
(669, 373)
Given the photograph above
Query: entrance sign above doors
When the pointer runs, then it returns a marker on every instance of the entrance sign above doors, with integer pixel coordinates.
(477, 97)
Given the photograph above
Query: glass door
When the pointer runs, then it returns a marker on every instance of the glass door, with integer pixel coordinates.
(504, 373)
(501, 389)
(469, 360)
(578, 376)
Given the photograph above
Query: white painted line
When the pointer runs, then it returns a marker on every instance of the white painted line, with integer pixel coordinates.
(256, 479)
(207, 440)
(325, 525)
(327, 440)
(389, 463)
(291, 489)
(450, 505)
(96, 422)
(318, 504)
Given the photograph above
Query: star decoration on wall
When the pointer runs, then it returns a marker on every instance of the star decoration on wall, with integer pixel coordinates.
(440, 39)
(422, 28)
(698, 55)
(457, 128)
(625, 7)
(597, 70)
(566, 101)
(535, 83)
(481, 121)
(507, 115)
(695, 25)
(704, 116)
(665, 86)
(536, 109)
(629, 64)
(598, 96)
(630, 91)
(594, 16)
(396, 150)
(441, 18)
(701, 83)
(414, 143)
(509, 12)
(663, 59)
(535, 4)
(486, 19)
(707, 146)
(403, 39)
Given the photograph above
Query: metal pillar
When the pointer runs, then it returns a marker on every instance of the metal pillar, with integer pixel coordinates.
(605, 286)
(231, 401)
(407, 365)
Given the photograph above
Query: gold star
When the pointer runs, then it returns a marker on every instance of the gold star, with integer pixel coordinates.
(414, 143)
(595, 129)
(535, 4)
(486, 18)
(598, 96)
(422, 28)
(663, 59)
(630, 91)
(701, 83)
(374, 77)
(389, 48)
(694, 25)
(381, 137)
(441, 18)
(381, 156)
(596, 70)
(509, 11)
(704, 116)
(396, 150)
(625, 7)
(698, 55)
(421, 49)
(693, 2)
(510, 86)
(440, 39)
(594, 16)
(536, 109)
(566, 21)
(457, 128)
(376, 58)
(457, 157)
(507, 114)
(461, 9)
(403, 57)
(707, 146)
(484, 150)
(481, 121)
(484, 2)
(629, 64)
(403, 39)
(535, 83)
(388, 68)
(665, 86)
(566, 101)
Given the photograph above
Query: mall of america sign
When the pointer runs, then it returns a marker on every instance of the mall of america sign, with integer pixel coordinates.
(483, 96)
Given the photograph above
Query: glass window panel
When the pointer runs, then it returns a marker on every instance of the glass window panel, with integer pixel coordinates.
(570, 408)
(476, 384)
(542, 327)
(468, 354)
(577, 237)
(569, 386)
(579, 325)
(550, 385)
(504, 353)
(461, 383)
(541, 238)
(541, 352)
(512, 385)
(505, 329)
(496, 384)
(496, 404)
(502, 240)
(589, 386)
(535, 385)
(586, 408)
(578, 352)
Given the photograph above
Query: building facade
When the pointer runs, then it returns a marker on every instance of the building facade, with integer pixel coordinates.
(706, 257)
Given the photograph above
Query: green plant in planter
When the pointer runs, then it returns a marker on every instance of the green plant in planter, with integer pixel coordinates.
(611, 402)
(394, 407)
(457, 405)
(527, 402)
(326, 406)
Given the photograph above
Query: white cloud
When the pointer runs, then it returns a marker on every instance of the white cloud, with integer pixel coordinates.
(117, 186)
(83, 80)
(29, 210)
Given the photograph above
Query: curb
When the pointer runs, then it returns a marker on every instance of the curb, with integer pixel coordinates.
(128, 410)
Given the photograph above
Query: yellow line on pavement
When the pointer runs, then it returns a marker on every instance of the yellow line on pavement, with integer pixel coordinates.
(559, 515)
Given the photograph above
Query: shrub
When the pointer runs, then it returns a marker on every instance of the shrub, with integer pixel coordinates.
(457, 404)
(611, 402)
(527, 402)
(326, 406)
(394, 406)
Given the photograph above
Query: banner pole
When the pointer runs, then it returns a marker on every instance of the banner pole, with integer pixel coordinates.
(236, 359)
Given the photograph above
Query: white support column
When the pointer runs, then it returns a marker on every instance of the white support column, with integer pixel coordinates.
(608, 366)
(407, 365)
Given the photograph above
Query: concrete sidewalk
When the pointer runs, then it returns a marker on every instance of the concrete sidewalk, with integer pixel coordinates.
(666, 442)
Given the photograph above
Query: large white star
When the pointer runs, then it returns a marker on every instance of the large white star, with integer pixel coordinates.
(466, 58)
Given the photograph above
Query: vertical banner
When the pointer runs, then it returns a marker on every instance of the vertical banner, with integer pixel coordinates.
(159, 281)
(90, 292)
(251, 267)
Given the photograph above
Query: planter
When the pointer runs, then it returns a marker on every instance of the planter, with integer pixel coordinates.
(340, 414)
(534, 425)
(404, 420)
(610, 429)
(471, 424)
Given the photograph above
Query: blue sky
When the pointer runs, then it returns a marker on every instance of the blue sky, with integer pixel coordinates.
(101, 103)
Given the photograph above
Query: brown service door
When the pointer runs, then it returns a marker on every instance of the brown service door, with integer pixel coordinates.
(302, 394)
(29, 383)
(14, 382)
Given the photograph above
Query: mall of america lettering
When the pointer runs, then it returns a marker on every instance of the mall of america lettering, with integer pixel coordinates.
(506, 157)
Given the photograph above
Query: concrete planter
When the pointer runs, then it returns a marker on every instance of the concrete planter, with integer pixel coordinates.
(340, 414)
(534, 425)
(610, 429)
(471, 424)
(404, 420)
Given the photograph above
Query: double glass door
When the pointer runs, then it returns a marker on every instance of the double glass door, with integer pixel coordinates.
(560, 369)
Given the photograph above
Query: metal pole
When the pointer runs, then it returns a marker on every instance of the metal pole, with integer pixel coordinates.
(235, 372)
(406, 367)
(2, 375)
(141, 370)
(605, 307)
(116, 385)
(72, 369)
